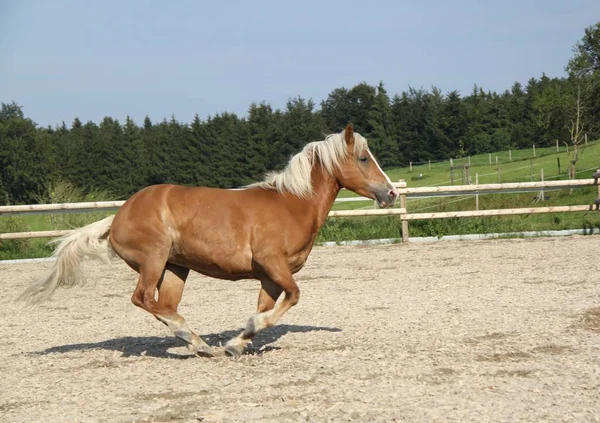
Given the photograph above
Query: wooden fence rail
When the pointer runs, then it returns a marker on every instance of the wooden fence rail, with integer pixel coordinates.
(496, 212)
(404, 215)
(457, 190)
(61, 208)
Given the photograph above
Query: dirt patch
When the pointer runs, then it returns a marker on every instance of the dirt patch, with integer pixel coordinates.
(495, 331)
(514, 373)
(509, 356)
(445, 371)
(494, 336)
(552, 349)
(590, 319)
(169, 395)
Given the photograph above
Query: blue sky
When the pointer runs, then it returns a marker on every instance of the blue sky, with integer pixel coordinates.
(62, 59)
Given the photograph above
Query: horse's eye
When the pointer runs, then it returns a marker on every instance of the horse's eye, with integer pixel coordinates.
(364, 159)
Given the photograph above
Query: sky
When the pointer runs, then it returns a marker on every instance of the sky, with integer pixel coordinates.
(63, 59)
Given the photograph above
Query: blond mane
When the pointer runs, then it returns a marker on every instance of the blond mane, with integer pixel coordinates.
(296, 177)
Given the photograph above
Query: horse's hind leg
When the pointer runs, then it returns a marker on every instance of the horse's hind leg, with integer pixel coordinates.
(170, 289)
(278, 279)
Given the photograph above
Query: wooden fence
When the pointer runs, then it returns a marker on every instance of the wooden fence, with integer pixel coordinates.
(404, 215)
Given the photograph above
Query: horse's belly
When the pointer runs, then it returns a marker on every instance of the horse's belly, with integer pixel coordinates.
(215, 262)
(219, 273)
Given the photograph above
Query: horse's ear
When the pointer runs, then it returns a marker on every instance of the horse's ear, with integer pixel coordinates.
(349, 134)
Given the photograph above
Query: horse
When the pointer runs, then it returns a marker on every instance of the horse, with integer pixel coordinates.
(264, 231)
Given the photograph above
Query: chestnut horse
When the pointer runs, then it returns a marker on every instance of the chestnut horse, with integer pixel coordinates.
(264, 231)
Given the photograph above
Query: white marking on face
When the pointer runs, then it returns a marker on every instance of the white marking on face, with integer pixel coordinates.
(387, 178)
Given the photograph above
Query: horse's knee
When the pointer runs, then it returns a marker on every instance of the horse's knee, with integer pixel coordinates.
(143, 300)
(138, 299)
(293, 296)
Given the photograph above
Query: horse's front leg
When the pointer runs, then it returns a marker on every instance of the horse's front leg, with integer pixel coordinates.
(278, 279)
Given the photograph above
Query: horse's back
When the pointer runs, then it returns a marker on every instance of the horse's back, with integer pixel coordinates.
(211, 230)
(197, 227)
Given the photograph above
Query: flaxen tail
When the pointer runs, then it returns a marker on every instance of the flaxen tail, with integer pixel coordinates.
(90, 241)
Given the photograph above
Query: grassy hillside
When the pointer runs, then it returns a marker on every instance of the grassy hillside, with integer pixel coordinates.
(522, 167)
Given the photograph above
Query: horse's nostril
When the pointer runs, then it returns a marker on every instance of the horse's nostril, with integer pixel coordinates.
(393, 193)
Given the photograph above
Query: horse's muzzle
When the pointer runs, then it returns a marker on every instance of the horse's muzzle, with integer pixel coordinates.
(386, 196)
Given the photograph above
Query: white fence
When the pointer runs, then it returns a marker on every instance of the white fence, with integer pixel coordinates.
(404, 215)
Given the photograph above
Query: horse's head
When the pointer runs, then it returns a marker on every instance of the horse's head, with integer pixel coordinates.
(361, 173)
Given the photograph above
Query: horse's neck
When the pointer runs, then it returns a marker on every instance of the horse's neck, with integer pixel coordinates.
(326, 189)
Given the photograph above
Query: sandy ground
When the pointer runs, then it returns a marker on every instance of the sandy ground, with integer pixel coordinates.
(505, 330)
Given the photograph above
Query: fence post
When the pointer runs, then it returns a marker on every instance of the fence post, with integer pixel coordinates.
(404, 222)
(490, 157)
(572, 175)
(558, 162)
(410, 166)
(510, 155)
(531, 170)
(597, 176)
(542, 196)
(533, 150)
(429, 164)
(557, 148)
(477, 192)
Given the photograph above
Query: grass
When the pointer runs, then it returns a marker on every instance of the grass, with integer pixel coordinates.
(39, 247)
(523, 167)
(517, 170)
(361, 228)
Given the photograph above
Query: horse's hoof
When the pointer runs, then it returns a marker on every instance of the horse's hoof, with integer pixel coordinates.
(201, 350)
(233, 351)
(185, 336)
(204, 351)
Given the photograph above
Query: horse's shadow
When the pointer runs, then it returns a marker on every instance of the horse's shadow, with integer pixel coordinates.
(158, 346)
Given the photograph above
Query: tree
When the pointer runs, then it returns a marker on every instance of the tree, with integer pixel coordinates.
(134, 165)
(453, 124)
(343, 106)
(381, 138)
(26, 156)
(436, 140)
(300, 124)
(409, 114)
(584, 75)
(262, 135)
(10, 110)
(586, 61)
(577, 129)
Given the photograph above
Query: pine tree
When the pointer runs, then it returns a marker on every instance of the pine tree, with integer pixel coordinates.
(26, 156)
(343, 106)
(260, 142)
(135, 160)
(453, 125)
(381, 138)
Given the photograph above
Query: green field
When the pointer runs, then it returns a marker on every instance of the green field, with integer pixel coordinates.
(517, 170)
(523, 167)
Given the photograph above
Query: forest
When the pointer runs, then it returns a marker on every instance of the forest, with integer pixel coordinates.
(226, 150)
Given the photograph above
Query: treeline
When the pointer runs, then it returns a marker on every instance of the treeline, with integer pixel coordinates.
(226, 150)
